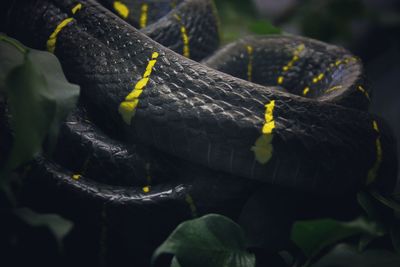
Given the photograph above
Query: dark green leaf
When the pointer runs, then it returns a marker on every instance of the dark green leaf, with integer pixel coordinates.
(314, 236)
(30, 104)
(39, 97)
(212, 240)
(59, 226)
(10, 57)
(175, 263)
(63, 93)
(344, 255)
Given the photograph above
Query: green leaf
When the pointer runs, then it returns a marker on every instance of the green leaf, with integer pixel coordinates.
(344, 255)
(212, 240)
(263, 27)
(314, 236)
(39, 97)
(63, 93)
(59, 226)
(30, 103)
(10, 57)
(175, 263)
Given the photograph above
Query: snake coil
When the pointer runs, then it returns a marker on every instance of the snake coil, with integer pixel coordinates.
(159, 134)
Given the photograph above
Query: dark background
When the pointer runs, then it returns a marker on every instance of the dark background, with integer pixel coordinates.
(368, 28)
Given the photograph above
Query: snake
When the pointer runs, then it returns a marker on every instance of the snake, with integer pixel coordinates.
(170, 126)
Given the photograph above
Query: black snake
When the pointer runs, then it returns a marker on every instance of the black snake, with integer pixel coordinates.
(157, 131)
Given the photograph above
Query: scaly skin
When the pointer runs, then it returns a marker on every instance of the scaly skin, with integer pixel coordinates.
(198, 114)
(188, 148)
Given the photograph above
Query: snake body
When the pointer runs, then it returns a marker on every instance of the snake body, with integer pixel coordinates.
(156, 129)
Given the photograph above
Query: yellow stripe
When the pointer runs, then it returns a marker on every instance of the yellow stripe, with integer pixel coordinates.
(146, 189)
(306, 91)
(250, 65)
(263, 147)
(189, 200)
(296, 57)
(121, 9)
(362, 90)
(76, 177)
(373, 172)
(333, 89)
(51, 42)
(127, 108)
(318, 78)
(290, 64)
(185, 37)
(76, 8)
(143, 15)
(269, 118)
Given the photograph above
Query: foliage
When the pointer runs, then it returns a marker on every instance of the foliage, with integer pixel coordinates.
(212, 240)
(238, 19)
(315, 236)
(33, 81)
(39, 98)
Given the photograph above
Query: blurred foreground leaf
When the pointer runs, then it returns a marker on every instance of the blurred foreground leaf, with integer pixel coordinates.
(39, 97)
(209, 241)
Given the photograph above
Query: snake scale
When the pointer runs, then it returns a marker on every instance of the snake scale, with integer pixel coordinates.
(170, 136)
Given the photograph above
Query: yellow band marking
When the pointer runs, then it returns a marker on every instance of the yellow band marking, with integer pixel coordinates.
(296, 57)
(269, 124)
(189, 200)
(76, 177)
(127, 108)
(143, 15)
(337, 87)
(306, 91)
(185, 37)
(263, 147)
(51, 42)
(146, 189)
(250, 64)
(290, 64)
(76, 8)
(362, 90)
(318, 78)
(373, 172)
(121, 9)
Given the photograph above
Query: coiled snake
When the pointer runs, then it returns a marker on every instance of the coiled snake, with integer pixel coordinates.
(158, 131)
